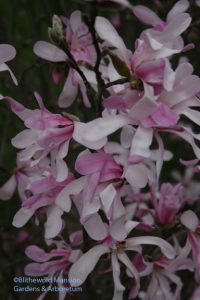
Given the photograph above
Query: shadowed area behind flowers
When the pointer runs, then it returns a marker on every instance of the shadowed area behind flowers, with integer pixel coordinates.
(22, 23)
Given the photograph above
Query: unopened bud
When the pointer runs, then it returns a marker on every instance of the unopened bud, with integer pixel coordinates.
(56, 31)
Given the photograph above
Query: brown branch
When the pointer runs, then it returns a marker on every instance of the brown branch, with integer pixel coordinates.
(118, 81)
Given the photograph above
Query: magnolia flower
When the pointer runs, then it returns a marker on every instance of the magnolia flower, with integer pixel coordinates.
(99, 170)
(163, 274)
(166, 203)
(46, 134)
(43, 192)
(55, 263)
(116, 243)
(165, 35)
(21, 178)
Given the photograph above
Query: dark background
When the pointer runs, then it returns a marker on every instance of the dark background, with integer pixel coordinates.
(22, 23)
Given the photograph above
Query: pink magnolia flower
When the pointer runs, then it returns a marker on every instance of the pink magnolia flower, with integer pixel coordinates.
(55, 263)
(46, 134)
(79, 42)
(43, 192)
(163, 274)
(117, 244)
(99, 170)
(165, 35)
(21, 178)
(166, 203)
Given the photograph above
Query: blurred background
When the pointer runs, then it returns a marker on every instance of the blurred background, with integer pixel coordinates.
(22, 23)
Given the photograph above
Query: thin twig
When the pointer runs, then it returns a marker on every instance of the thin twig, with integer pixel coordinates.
(118, 81)
(75, 66)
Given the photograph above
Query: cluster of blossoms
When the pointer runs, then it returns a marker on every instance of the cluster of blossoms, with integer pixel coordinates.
(127, 215)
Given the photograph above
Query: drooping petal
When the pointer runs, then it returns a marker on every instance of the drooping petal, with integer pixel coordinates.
(165, 247)
(22, 216)
(86, 263)
(4, 67)
(69, 91)
(118, 287)
(132, 271)
(8, 189)
(54, 222)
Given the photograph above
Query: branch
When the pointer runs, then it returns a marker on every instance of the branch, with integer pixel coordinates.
(118, 81)
(75, 66)
(100, 81)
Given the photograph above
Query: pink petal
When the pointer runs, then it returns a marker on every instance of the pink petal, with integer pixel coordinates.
(7, 52)
(49, 52)
(69, 92)
(22, 217)
(108, 33)
(75, 20)
(24, 139)
(146, 15)
(95, 228)
(39, 255)
(189, 219)
(136, 175)
(54, 222)
(76, 238)
(90, 163)
(8, 189)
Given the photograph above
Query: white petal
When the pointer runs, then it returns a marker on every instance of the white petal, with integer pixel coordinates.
(190, 220)
(141, 142)
(108, 33)
(86, 263)
(165, 247)
(118, 287)
(49, 52)
(95, 228)
(54, 222)
(8, 189)
(22, 217)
